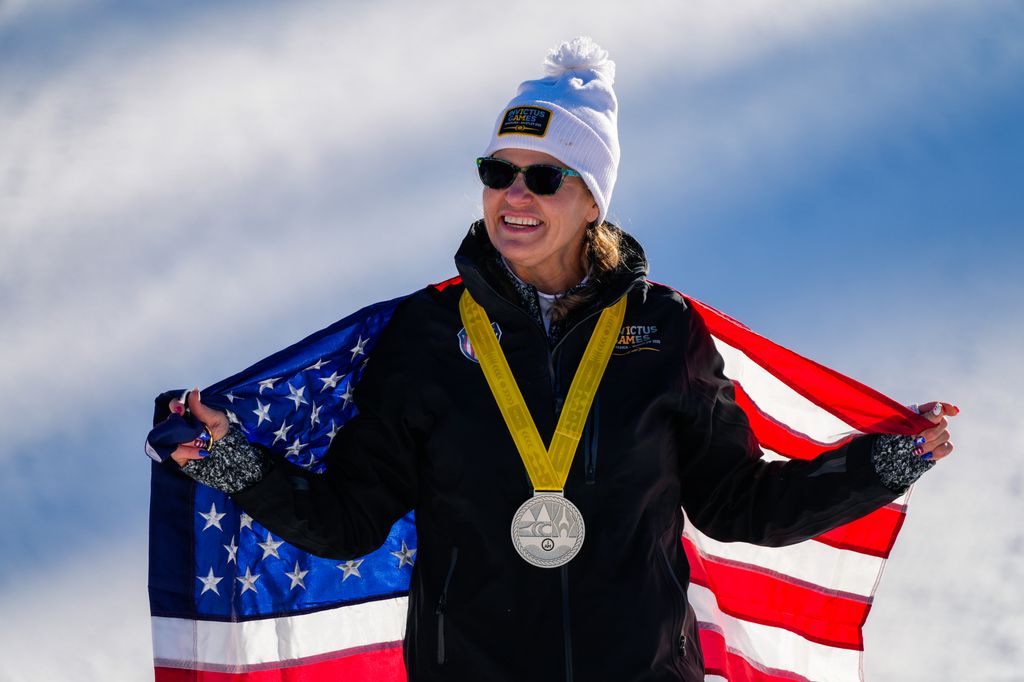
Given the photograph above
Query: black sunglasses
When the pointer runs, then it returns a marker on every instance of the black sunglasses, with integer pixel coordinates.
(541, 178)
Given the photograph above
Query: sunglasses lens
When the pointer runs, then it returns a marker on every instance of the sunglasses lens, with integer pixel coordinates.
(495, 173)
(499, 174)
(543, 180)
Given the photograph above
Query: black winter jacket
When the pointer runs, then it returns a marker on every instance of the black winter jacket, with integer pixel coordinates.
(664, 432)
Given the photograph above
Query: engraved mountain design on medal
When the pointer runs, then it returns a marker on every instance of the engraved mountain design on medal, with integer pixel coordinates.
(548, 530)
(563, 528)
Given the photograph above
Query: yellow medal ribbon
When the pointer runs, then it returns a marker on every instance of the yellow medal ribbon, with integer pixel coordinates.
(548, 468)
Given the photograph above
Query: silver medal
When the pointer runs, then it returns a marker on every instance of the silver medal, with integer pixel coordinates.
(547, 530)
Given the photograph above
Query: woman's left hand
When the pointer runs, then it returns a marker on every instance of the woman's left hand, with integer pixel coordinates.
(934, 443)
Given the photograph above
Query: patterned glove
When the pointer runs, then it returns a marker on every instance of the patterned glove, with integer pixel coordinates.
(232, 465)
(896, 463)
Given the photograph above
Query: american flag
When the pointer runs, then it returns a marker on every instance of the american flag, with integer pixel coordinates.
(230, 602)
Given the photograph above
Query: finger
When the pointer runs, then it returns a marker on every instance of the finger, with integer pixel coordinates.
(932, 443)
(931, 433)
(939, 452)
(215, 420)
(185, 453)
(935, 410)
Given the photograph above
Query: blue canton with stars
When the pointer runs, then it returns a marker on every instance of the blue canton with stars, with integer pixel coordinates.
(294, 403)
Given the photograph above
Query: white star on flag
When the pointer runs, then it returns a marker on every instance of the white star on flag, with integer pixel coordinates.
(209, 582)
(350, 568)
(282, 433)
(270, 546)
(245, 521)
(212, 517)
(347, 396)
(296, 577)
(331, 381)
(232, 549)
(262, 411)
(314, 415)
(296, 447)
(404, 555)
(295, 395)
(316, 365)
(358, 348)
(333, 432)
(248, 581)
(268, 383)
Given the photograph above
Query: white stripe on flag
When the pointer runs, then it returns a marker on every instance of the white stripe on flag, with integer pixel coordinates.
(779, 400)
(775, 648)
(810, 562)
(231, 647)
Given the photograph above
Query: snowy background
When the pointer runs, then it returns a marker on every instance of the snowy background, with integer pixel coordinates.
(186, 187)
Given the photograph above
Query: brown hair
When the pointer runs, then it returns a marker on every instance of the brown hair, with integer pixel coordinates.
(602, 248)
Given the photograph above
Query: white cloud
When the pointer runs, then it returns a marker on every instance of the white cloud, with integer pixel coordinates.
(84, 619)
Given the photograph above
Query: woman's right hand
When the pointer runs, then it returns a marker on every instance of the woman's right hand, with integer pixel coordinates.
(215, 420)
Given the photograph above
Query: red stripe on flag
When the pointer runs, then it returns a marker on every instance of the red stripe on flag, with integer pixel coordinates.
(874, 534)
(778, 437)
(380, 665)
(718, 660)
(753, 594)
(858, 405)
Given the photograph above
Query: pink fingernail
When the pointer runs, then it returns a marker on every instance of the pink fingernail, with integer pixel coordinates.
(937, 410)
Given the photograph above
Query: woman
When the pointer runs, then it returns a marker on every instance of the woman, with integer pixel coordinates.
(593, 584)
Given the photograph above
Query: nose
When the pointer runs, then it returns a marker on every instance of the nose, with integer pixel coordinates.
(517, 192)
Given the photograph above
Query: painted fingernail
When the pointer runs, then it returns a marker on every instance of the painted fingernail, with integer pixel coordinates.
(927, 455)
(919, 440)
(937, 410)
(177, 408)
(917, 451)
(204, 453)
(956, 410)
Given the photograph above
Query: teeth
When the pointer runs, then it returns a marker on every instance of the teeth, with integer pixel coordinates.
(516, 220)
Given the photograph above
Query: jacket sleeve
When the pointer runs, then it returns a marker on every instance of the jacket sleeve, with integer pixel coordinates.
(731, 494)
(370, 479)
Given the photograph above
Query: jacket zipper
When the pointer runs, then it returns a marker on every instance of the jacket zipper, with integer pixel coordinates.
(590, 435)
(566, 623)
(680, 621)
(442, 603)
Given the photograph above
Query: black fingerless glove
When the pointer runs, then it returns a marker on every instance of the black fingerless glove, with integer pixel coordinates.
(232, 465)
(896, 463)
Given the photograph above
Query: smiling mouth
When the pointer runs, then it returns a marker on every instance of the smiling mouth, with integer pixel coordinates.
(520, 222)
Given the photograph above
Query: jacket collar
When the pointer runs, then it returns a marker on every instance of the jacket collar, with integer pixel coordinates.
(477, 262)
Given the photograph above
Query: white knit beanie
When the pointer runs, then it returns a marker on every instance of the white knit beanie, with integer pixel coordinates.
(569, 114)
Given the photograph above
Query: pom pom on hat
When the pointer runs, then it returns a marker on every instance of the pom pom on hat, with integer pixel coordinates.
(571, 113)
(579, 54)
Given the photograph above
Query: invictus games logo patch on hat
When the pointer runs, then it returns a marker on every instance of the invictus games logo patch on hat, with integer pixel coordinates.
(525, 121)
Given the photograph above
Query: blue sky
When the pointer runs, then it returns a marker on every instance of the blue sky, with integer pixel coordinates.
(186, 188)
